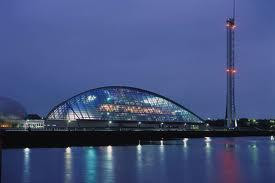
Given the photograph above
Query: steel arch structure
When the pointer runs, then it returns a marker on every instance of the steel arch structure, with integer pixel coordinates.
(120, 103)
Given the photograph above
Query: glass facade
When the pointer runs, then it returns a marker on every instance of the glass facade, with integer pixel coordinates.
(118, 103)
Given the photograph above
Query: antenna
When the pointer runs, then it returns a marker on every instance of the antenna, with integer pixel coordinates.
(230, 114)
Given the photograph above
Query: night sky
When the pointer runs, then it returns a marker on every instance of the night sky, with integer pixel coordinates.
(51, 50)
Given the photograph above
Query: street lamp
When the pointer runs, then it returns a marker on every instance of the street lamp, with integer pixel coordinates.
(139, 123)
(207, 125)
(68, 124)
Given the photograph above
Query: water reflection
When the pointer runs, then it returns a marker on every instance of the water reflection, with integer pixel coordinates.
(90, 160)
(139, 160)
(185, 149)
(207, 139)
(108, 164)
(208, 158)
(254, 154)
(229, 163)
(139, 147)
(272, 156)
(161, 150)
(223, 160)
(272, 138)
(185, 142)
(208, 145)
(68, 165)
(26, 175)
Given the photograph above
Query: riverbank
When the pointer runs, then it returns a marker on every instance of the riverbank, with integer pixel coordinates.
(21, 139)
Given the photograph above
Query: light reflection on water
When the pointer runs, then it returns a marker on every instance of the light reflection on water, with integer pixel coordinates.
(68, 165)
(225, 160)
(108, 164)
(91, 160)
(229, 165)
(26, 174)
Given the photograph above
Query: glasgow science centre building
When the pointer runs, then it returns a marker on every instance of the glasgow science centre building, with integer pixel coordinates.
(118, 107)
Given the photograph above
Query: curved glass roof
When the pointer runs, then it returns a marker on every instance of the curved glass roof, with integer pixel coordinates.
(117, 103)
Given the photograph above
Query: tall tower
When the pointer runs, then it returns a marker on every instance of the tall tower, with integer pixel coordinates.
(230, 115)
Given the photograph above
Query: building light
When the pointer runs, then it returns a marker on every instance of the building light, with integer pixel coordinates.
(91, 98)
(110, 122)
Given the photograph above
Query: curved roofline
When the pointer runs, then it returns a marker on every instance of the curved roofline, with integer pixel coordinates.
(126, 87)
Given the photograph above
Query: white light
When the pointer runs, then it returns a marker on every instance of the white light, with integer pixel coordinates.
(207, 139)
(69, 121)
(185, 139)
(91, 98)
(110, 122)
(161, 143)
(161, 123)
(139, 123)
(272, 138)
(139, 146)
(26, 150)
(109, 148)
(68, 150)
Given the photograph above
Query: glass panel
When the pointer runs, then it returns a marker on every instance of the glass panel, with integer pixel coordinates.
(122, 103)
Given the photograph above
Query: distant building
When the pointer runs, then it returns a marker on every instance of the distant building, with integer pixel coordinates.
(12, 113)
(33, 121)
(118, 106)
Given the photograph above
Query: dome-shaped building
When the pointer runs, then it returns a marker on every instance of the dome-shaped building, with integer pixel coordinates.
(11, 109)
(121, 105)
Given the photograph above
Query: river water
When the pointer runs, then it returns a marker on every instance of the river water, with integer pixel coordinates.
(221, 160)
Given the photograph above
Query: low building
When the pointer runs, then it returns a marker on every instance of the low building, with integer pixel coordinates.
(33, 124)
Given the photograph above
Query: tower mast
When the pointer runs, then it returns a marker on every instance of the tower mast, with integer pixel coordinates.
(230, 115)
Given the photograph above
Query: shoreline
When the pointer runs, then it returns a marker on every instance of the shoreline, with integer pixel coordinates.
(41, 139)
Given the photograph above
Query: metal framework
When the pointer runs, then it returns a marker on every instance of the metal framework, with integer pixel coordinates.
(231, 71)
(118, 103)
